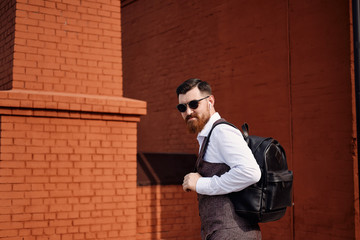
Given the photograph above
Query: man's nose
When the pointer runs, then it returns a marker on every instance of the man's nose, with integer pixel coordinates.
(189, 111)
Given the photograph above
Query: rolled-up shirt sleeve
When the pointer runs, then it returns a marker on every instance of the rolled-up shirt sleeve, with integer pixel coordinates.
(228, 146)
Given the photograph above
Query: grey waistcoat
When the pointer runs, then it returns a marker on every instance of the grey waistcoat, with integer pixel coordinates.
(217, 212)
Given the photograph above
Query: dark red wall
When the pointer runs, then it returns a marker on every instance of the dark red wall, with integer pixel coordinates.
(7, 34)
(322, 119)
(282, 66)
(241, 48)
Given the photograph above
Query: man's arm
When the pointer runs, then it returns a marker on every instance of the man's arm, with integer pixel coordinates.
(229, 147)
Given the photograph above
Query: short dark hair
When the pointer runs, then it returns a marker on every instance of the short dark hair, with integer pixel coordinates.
(191, 83)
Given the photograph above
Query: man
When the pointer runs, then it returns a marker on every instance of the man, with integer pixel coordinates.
(227, 166)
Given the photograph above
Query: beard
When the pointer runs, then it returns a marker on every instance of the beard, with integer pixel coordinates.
(197, 123)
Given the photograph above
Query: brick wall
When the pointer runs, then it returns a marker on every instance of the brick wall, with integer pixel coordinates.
(68, 46)
(64, 178)
(68, 166)
(323, 97)
(202, 40)
(282, 66)
(166, 212)
(174, 41)
(67, 136)
(7, 31)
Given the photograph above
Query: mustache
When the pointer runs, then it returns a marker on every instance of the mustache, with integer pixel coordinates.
(190, 116)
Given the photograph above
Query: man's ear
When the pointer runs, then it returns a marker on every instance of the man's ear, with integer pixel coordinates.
(212, 100)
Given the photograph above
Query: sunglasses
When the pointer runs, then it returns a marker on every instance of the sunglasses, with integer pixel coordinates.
(192, 104)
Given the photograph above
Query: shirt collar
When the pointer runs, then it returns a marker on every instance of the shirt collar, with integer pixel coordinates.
(208, 125)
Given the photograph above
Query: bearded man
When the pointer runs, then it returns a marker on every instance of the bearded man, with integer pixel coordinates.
(228, 166)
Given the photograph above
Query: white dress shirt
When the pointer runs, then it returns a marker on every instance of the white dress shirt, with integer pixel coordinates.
(228, 146)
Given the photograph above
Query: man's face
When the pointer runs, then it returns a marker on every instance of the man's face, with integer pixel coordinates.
(195, 119)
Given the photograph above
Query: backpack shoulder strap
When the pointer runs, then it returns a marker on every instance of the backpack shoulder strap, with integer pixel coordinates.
(245, 130)
(206, 141)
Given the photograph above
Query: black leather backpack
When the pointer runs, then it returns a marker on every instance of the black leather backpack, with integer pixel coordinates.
(267, 199)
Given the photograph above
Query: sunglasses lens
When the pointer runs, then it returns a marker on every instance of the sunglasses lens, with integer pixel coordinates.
(181, 107)
(194, 104)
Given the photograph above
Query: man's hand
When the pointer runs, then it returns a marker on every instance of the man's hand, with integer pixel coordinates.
(190, 181)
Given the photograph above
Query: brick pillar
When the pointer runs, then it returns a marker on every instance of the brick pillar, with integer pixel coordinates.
(67, 135)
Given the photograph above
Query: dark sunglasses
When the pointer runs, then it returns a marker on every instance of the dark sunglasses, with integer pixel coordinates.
(192, 104)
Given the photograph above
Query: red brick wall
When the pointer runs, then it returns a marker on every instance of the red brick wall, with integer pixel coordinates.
(282, 66)
(68, 46)
(7, 31)
(166, 212)
(202, 40)
(322, 92)
(67, 136)
(64, 178)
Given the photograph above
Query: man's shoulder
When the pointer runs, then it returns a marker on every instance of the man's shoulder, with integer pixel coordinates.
(224, 129)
